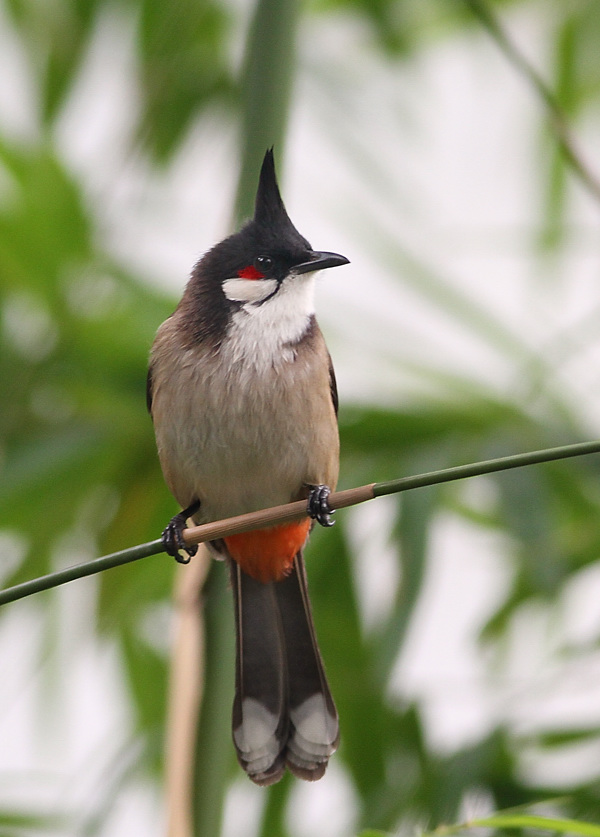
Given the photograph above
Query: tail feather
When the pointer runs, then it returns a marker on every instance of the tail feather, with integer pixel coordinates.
(314, 728)
(259, 710)
(283, 710)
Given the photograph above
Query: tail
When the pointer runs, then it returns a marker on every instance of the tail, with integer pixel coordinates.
(283, 712)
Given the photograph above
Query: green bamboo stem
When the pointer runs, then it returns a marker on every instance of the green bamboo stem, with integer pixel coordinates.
(267, 80)
(107, 562)
(489, 466)
(296, 511)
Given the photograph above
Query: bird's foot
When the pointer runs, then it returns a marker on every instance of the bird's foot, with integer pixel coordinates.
(318, 505)
(172, 536)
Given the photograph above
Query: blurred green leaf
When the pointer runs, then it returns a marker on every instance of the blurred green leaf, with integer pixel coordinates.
(179, 82)
(14, 823)
(525, 821)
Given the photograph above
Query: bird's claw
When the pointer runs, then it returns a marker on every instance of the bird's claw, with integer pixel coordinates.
(318, 505)
(173, 542)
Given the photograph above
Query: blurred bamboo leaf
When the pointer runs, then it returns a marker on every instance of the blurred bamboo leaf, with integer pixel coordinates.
(178, 83)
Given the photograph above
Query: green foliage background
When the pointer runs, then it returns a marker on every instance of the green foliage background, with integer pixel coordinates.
(79, 471)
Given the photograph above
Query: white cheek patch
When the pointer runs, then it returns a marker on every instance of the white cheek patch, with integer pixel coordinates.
(248, 290)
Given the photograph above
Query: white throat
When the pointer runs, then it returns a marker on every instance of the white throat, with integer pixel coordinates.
(262, 334)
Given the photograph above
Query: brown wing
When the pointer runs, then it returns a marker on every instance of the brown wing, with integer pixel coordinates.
(333, 386)
(149, 390)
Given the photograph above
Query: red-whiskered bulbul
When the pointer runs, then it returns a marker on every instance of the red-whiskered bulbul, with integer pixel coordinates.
(243, 398)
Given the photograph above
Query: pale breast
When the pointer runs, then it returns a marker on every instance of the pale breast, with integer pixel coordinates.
(242, 431)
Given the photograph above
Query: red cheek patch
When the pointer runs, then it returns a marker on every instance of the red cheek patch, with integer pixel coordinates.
(250, 272)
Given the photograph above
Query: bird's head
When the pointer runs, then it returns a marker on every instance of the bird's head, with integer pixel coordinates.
(253, 266)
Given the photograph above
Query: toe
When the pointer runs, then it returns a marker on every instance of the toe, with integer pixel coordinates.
(318, 505)
(173, 542)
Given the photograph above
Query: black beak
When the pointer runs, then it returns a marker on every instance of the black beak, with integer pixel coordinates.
(319, 261)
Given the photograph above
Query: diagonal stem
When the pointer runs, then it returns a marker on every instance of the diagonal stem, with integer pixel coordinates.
(296, 511)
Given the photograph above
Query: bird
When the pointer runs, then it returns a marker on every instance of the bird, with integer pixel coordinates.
(243, 399)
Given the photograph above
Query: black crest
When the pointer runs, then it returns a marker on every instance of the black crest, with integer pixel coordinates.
(269, 211)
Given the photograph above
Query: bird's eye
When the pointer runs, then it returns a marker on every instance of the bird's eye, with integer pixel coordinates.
(263, 263)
